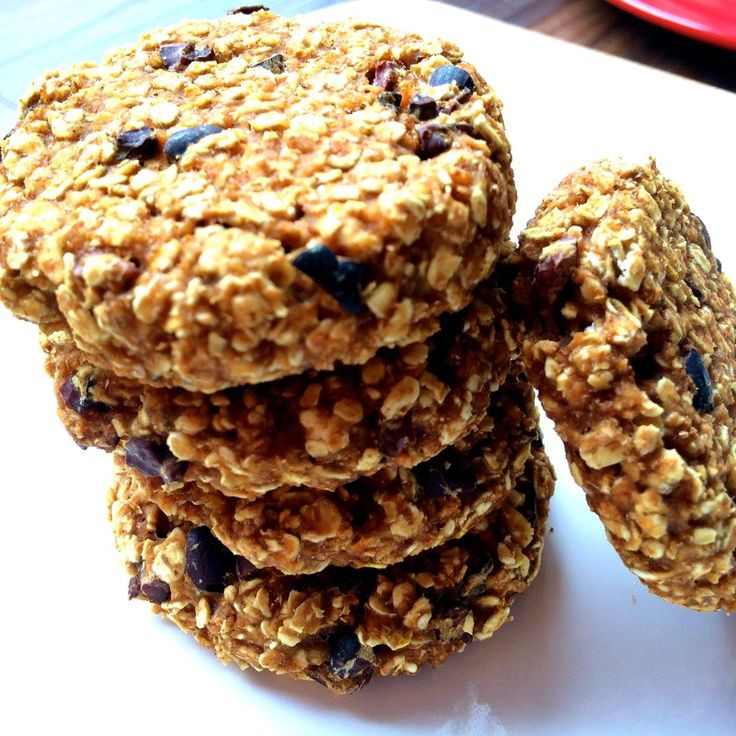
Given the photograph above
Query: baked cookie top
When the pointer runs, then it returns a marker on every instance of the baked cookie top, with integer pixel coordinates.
(340, 626)
(631, 346)
(232, 201)
(318, 429)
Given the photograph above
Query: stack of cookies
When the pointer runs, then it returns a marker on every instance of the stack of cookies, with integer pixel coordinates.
(265, 264)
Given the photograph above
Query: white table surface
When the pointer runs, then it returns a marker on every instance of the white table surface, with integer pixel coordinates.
(590, 650)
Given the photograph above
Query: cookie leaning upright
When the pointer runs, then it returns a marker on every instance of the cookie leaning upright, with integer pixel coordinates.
(631, 347)
(233, 201)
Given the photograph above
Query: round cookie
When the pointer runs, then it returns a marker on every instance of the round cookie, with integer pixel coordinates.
(374, 521)
(233, 201)
(341, 626)
(631, 346)
(321, 430)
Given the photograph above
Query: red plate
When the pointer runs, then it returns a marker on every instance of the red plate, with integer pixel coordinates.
(707, 20)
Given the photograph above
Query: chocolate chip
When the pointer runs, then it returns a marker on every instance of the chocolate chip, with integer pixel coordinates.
(697, 293)
(341, 278)
(347, 656)
(703, 230)
(719, 265)
(154, 459)
(178, 56)
(134, 587)
(433, 140)
(140, 143)
(390, 99)
(246, 9)
(444, 475)
(386, 75)
(157, 591)
(275, 64)
(181, 140)
(244, 569)
(696, 369)
(423, 107)
(78, 399)
(552, 274)
(451, 73)
(210, 564)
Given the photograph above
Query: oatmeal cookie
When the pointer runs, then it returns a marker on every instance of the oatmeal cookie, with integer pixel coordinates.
(631, 346)
(374, 521)
(342, 625)
(233, 201)
(401, 407)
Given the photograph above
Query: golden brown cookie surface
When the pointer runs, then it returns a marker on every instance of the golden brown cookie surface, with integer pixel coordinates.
(631, 346)
(232, 201)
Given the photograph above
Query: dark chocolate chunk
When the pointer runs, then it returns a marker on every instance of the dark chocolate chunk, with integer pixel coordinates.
(157, 591)
(244, 569)
(390, 99)
(275, 64)
(246, 9)
(433, 140)
(552, 274)
(444, 475)
(696, 369)
(181, 140)
(341, 278)
(697, 293)
(386, 75)
(154, 459)
(347, 656)
(703, 230)
(423, 107)
(140, 143)
(719, 265)
(79, 399)
(210, 564)
(451, 73)
(134, 587)
(178, 56)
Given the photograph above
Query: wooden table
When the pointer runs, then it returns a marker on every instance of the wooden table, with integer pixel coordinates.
(39, 34)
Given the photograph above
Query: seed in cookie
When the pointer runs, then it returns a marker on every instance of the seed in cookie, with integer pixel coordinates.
(275, 64)
(154, 460)
(140, 143)
(450, 73)
(423, 107)
(210, 564)
(433, 140)
(703, 399)
(181, 140)
(178, 56)
(340, 277)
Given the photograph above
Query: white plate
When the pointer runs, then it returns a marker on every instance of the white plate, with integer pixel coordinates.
(589, 651)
